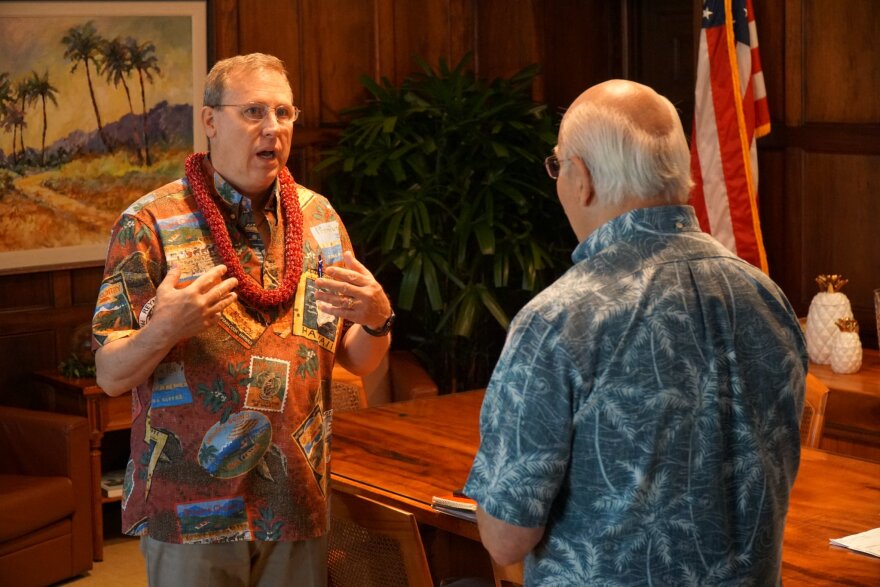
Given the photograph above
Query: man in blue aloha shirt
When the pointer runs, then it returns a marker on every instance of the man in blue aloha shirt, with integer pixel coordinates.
(641, 426)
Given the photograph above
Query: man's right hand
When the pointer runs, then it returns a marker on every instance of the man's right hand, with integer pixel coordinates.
(181, 311)
(185, 310)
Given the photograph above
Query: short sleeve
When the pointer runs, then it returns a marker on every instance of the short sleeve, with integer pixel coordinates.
(525, 426)
(133, 271)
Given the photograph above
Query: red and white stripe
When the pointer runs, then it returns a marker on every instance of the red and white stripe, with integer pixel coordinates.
(731, 112)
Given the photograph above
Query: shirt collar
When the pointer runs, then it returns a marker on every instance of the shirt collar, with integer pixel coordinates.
(232, 200)
(670, 219)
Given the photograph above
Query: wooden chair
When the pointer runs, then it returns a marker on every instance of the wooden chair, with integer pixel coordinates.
(813, 418)
(373, 544)
(508, 576)
(347, 396)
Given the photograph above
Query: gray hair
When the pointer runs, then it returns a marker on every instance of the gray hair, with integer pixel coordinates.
(624, 159)
(217, 78)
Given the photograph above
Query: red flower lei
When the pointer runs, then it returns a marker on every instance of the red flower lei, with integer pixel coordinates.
(248, 288)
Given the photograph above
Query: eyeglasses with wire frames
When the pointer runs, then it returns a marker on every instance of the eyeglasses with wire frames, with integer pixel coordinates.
(553, 164)
(256, 111)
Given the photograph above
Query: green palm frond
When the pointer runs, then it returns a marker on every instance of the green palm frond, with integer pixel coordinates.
(441, 182)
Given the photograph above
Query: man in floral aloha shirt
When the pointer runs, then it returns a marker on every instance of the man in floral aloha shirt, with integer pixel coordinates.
(226, 297)
(641, 426)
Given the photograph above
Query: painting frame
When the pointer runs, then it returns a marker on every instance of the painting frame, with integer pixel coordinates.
(89, 255)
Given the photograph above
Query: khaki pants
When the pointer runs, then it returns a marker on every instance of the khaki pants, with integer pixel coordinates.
(236, 564)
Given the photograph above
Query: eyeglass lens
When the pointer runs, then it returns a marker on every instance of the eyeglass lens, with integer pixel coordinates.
(258, 112)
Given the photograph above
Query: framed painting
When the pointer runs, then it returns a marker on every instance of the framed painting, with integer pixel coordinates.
(99, 105)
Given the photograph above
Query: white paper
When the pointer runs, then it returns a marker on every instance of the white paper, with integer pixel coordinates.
(866, 542)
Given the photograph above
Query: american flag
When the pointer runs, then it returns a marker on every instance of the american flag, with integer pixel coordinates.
(731, 112)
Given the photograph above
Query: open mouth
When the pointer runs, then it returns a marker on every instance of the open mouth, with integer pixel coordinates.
(266, 155)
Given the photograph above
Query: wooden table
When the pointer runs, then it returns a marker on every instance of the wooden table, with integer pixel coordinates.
(866, 380)
(852, 410)
(405, 453)
(833, 496)
(83, 397)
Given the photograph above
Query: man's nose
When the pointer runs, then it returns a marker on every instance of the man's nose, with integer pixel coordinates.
(270, 122)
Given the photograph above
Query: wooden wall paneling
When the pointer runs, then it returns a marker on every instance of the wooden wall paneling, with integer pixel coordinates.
(841, 61)
(30, 320)
(774, 217)
(85, 284)
(339, 48)
(769, 15)
(840, 227)
(224, 20)
(794, 78)
(273, 28)
(851, 139)
(25, 303)
(463, 35)
(26, 290)
(831, 140)
(662, 51)
(62, 289)
(581, 48)
(384, 39)
(507, 37)
(38, 314)
(20, 354)
(789, 274)
(420, 30)
(315, 38)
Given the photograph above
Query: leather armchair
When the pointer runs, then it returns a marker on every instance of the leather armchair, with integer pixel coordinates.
(409, 380)
(399, 377)
(45, 505)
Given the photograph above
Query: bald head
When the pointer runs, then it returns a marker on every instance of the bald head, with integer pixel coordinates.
(631, 140)
(647, 109)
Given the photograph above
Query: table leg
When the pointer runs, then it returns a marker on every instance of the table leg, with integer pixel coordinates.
(97, 502)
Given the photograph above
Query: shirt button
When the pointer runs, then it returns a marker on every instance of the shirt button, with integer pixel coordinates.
(679, 225)
(232, 215)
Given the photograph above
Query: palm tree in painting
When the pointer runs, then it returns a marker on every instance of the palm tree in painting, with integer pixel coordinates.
(144, 60)
(13, 119)
(116, 67)
(5, 102)
(22, 97)
(83, 46)
(43, 90)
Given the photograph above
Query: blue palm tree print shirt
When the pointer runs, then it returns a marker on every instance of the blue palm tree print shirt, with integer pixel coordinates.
(645, 410)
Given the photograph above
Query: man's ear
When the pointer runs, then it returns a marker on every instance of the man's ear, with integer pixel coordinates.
(584, 179)
(208, 122)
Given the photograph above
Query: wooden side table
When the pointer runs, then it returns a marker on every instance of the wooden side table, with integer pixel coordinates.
(866, 381)
(852, 412)
(83, 397)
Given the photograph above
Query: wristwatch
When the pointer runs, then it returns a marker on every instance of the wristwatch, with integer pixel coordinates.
(382, 330)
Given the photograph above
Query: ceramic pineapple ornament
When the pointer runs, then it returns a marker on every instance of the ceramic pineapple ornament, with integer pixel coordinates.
(828, 306)
(846, 354)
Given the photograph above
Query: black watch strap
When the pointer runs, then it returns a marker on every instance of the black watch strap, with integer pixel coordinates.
(382, 330)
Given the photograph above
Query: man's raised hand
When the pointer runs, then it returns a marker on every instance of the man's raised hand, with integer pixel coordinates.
(187, 309)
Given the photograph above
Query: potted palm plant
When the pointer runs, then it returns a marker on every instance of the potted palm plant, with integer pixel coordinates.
(441, 184)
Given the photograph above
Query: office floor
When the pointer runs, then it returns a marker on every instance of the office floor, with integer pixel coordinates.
(123, 565)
